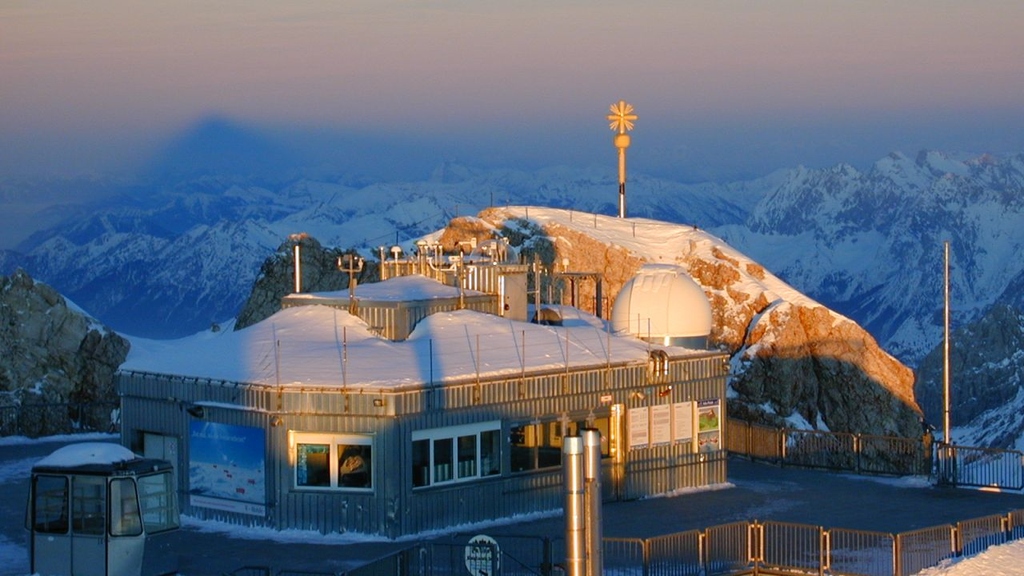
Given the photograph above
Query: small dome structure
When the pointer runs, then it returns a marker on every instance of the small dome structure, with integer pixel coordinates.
(663, 305)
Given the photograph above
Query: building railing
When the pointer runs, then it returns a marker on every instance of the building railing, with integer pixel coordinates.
(35, 420)
(859, 453)
(948, 465)
(979, 467)
(734, 549)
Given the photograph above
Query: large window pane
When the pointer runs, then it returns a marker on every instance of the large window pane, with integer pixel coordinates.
(51, 507)
(523, 445)
(312, 465)
(467, 456)
(125, 519)
(443, 460)
(549, 448)
(89, 505)
(421, 463)
(354, 465)
(490, 452)
(159, 507)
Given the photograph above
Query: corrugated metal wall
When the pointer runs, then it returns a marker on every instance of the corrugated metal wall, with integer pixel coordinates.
(157, 404)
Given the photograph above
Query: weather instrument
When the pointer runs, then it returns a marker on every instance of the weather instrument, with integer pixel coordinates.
(621, 121)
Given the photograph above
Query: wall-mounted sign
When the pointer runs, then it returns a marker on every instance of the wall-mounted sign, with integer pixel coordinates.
(483, 556)
(709, 421)
(682, 415)
(639, 433)
(226, 468)
(661, 425)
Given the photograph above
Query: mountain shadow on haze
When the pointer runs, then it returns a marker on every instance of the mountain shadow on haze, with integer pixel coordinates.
(216, 145)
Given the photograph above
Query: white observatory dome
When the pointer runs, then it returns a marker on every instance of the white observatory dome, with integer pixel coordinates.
(663, 305)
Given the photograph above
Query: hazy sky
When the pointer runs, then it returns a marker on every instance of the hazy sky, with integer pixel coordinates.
(722, 88)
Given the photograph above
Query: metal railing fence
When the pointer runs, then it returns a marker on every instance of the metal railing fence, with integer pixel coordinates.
(742, 548)
(979, 467)
(949, 465)
(35, 420)
(859, 552)
(734, 549)
(861, 453)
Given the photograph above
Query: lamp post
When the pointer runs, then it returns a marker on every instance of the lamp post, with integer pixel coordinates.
(621, 120)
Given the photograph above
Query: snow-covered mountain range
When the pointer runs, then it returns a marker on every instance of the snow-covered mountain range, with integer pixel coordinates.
(169, 259)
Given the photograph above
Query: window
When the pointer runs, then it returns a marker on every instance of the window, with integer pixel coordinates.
(326, 461)
(456, 453)
(89, 505)
(159, 508)
(124, 508)
(51, 504)
(538, 445)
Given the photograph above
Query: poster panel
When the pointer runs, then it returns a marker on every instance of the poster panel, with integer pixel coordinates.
(639, 433)
(661, 425)
(709, 431)
(682, 414)
(227, 469)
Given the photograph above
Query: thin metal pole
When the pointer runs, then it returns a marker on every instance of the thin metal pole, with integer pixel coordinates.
(298, 269)
(946, 437)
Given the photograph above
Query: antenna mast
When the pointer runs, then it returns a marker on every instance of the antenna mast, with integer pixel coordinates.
(946, 438)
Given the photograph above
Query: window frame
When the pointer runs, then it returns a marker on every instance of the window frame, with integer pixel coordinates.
(468, 460)
(337, 444)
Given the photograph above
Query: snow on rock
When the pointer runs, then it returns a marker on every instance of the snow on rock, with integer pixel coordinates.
(789, 351)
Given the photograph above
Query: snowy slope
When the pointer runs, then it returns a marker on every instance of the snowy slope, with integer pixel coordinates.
(170, 260)
(870, 244)
(865, 243)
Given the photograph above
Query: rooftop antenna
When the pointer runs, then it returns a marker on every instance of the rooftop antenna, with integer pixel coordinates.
(621, 120)
(351, 264)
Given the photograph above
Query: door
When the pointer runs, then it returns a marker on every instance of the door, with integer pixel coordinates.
(89, 525)
(48, 519)
(164, 448)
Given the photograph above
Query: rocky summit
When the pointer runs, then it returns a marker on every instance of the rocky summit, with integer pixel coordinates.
(795, 362)
(54, 355)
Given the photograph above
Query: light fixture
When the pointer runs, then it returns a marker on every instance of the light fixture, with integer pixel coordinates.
(197, 412)
(276, 421)
(378, 402)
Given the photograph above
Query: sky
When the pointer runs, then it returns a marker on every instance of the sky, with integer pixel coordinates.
(724, 89)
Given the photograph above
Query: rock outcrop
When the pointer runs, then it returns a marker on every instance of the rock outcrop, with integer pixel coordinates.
(276, 280)
(986, 365)
(794, 362)
(54, 354)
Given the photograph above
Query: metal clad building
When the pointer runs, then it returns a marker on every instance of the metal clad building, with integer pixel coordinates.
(387, 454)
